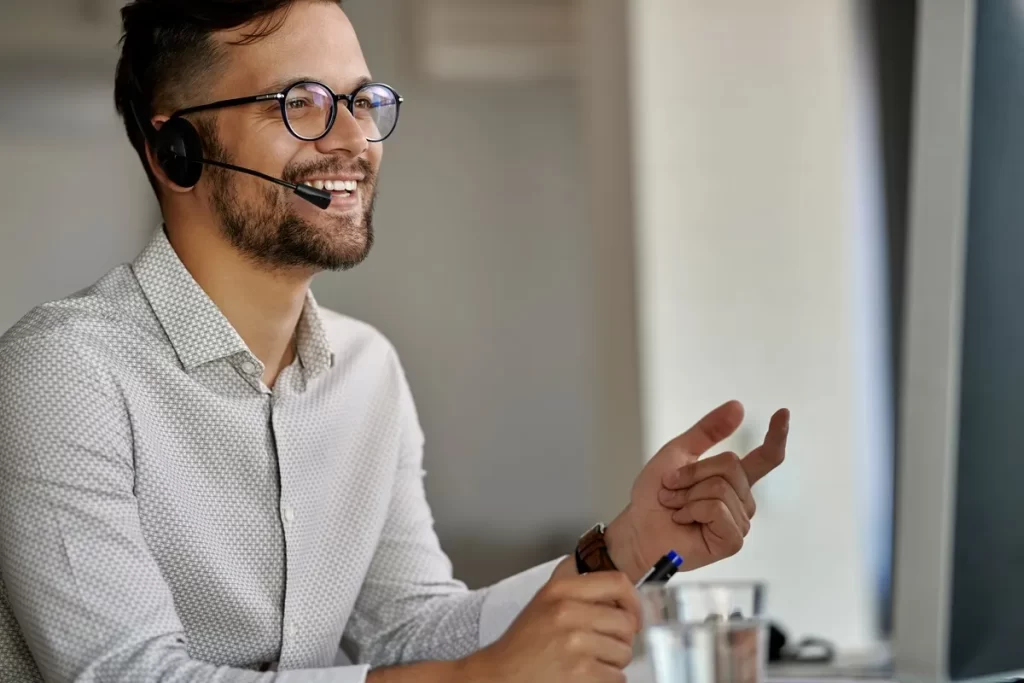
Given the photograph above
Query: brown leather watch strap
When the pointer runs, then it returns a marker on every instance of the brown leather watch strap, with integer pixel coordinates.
(592, 552)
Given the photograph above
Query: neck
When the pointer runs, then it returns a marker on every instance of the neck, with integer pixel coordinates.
(263, 305)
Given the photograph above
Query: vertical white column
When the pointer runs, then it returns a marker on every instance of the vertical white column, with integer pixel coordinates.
(760, 266)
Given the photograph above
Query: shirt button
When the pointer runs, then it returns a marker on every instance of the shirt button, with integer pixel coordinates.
(248, 367)
(288, 513)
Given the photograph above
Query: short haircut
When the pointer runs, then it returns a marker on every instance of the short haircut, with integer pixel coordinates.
(167, 52)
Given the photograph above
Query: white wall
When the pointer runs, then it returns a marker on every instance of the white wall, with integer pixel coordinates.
(760, 278)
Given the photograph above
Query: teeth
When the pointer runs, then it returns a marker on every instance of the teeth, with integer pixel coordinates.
(335, 185)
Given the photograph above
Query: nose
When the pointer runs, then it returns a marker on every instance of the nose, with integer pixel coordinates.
(346, 136)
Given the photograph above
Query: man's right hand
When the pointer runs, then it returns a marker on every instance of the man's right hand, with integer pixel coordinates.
(579, 628)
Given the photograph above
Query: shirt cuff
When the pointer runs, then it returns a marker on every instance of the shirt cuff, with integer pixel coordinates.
(339, 674)
(506, 599)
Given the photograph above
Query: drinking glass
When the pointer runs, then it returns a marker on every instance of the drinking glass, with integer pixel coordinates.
(705, 632)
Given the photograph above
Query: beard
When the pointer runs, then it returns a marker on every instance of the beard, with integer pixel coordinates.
(271, 233)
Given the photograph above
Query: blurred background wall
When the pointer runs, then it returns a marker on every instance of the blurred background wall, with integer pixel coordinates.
(598, 219)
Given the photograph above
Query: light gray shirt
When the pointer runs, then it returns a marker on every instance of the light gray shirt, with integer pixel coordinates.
(164, 516)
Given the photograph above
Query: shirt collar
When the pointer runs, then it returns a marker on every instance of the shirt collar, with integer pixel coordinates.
(313, 346)
(196, 328)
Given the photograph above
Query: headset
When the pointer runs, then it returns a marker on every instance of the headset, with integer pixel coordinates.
(179, 153)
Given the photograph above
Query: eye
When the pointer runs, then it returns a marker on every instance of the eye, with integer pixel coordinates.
(298, 103)
(363, 102)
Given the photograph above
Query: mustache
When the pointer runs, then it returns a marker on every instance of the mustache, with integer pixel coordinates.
(329, 166)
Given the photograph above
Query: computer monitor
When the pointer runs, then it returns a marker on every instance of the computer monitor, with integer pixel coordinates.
(958, 599)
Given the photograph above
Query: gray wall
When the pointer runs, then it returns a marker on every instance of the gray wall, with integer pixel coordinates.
(481, 276)
(75, 201)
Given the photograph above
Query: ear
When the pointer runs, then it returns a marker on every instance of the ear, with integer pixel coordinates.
(158, 123)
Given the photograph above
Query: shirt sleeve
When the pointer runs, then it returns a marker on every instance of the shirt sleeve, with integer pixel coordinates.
(410, 608)
(88, 597)
(505, 600)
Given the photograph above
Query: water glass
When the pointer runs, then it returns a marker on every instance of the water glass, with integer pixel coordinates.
(705, 632)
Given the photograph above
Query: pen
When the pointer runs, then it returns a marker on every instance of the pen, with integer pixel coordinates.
(663, 570)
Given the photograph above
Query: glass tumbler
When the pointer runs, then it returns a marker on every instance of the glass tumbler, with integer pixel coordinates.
(705, 632)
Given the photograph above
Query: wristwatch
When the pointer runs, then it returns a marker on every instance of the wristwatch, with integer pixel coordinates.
(592, 552)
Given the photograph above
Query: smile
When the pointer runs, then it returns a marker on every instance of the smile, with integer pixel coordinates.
(342, 187)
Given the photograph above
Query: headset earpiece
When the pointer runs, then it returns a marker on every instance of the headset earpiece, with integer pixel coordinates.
(176, 146)
(179, 154)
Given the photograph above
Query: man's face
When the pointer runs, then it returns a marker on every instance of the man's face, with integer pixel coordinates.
(265, 221)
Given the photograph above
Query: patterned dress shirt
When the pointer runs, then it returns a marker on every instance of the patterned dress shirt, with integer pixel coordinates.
(164, 516)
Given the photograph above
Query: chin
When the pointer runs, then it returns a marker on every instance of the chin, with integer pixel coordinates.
(347, 248)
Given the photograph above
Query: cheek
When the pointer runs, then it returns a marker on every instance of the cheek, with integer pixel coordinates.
(271, 156)
(374, 155)
(261, 147)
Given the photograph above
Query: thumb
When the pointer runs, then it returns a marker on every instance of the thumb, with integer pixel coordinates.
(711, 429)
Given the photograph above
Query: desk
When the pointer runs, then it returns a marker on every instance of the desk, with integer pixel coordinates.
(640, 672)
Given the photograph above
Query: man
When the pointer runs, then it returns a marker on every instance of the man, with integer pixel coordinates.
(206, 477)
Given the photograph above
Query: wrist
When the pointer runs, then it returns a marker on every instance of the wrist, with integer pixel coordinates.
(565, 568)
(423, 672)
(479, 666)
(622, 541)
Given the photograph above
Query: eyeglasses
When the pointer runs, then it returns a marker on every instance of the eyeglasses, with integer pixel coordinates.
(309, 109)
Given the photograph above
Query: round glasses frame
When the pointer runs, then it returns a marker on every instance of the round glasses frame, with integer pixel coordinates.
(282, 98)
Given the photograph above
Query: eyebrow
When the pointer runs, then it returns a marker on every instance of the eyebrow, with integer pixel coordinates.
(280, 85)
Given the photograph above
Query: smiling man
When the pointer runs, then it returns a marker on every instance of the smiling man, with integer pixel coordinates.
(204, 476)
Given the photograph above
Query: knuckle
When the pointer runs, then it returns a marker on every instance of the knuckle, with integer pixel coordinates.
(719, 487)
(562, 613)
(732, 459)
(734, 545)
(751, 507)
(575, 641)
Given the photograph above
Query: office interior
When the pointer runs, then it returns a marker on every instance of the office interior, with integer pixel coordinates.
(598, 220)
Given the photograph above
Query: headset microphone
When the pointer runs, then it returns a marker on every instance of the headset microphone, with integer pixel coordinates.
(179, 152)
(321, 198)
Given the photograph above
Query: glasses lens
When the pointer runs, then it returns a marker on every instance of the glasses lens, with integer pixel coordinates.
(309, 108)
(376, 109)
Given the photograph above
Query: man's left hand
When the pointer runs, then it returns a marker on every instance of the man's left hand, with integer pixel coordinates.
(701, 508)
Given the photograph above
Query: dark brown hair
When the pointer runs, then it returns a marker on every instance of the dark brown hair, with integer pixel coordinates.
(167, 52)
